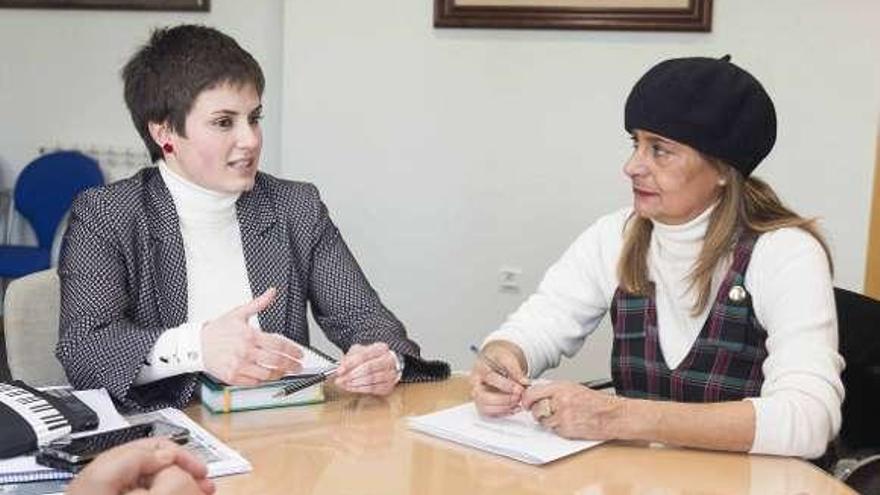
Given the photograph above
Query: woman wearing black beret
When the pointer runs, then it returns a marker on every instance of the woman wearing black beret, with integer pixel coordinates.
(721, 298)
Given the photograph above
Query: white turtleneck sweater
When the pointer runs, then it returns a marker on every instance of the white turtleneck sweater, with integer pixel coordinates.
(798, 411)
(216, 275)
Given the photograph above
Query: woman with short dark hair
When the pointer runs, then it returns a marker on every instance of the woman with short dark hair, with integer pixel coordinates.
(721, 300)
(205, 264)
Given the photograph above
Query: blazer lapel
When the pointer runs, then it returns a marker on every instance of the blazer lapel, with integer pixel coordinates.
(166, 250)
(266, 252)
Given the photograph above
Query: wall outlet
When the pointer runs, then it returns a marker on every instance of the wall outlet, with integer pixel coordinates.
(509, 280)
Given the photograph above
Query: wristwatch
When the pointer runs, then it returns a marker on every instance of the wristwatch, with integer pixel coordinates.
(398, 362)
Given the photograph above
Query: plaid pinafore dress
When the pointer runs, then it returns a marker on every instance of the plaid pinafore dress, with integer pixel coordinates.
(723, 364)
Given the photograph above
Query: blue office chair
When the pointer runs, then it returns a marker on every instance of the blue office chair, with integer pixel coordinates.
(43, 193)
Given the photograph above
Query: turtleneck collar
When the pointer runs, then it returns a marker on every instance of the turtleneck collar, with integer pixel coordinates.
(682, 240)
(194, 202)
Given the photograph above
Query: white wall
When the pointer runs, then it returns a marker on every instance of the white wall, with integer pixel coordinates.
(59, 74)
(446, 154)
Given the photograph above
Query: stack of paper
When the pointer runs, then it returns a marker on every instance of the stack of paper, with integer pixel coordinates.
(315, 362)
(518, 436)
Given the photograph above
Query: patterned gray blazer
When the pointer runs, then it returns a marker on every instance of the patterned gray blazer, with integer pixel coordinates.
(123, 282)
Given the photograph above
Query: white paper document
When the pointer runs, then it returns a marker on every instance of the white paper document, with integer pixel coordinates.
(518, 436)
(314, 363)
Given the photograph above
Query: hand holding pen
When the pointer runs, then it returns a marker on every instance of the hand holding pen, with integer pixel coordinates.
(368, 369)
(364, 369)
(498, 378)
(303, 382)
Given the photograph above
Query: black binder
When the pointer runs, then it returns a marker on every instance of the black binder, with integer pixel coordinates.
(31, 417)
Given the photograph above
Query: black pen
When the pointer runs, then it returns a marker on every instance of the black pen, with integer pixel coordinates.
(304, 382)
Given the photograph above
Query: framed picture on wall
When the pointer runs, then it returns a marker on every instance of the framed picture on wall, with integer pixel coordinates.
(179, 5)
(630, 15)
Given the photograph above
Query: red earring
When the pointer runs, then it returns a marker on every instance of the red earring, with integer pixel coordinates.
(168, 148)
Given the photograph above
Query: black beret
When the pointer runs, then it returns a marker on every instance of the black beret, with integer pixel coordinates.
(708, 104)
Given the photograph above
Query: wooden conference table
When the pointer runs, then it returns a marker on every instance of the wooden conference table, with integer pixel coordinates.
(360, 445)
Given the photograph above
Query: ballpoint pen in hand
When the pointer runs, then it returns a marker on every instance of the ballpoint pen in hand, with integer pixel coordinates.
(541, 409)
(491, 363)
(494, 365)
(304, 382)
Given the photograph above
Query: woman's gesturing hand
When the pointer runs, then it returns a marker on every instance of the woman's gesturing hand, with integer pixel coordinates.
(239, 354)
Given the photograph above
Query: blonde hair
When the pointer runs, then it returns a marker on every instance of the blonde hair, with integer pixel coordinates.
(746, 205)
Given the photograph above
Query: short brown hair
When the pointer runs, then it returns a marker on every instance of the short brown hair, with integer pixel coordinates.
(166, 75)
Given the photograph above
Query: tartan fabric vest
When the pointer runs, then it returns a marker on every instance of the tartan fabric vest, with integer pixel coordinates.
(724, 362)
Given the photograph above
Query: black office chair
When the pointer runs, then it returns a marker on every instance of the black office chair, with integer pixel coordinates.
(855, 448)
(858, 319)
(863, 476)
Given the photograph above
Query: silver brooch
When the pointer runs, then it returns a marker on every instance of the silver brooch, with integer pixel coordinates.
(737, 293)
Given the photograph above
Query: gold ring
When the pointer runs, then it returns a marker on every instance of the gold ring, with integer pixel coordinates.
(544, 408)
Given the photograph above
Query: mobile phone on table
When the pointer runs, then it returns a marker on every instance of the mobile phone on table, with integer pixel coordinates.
(73, 454)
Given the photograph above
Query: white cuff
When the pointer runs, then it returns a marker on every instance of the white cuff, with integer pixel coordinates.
(178, 350)
(189, 347)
